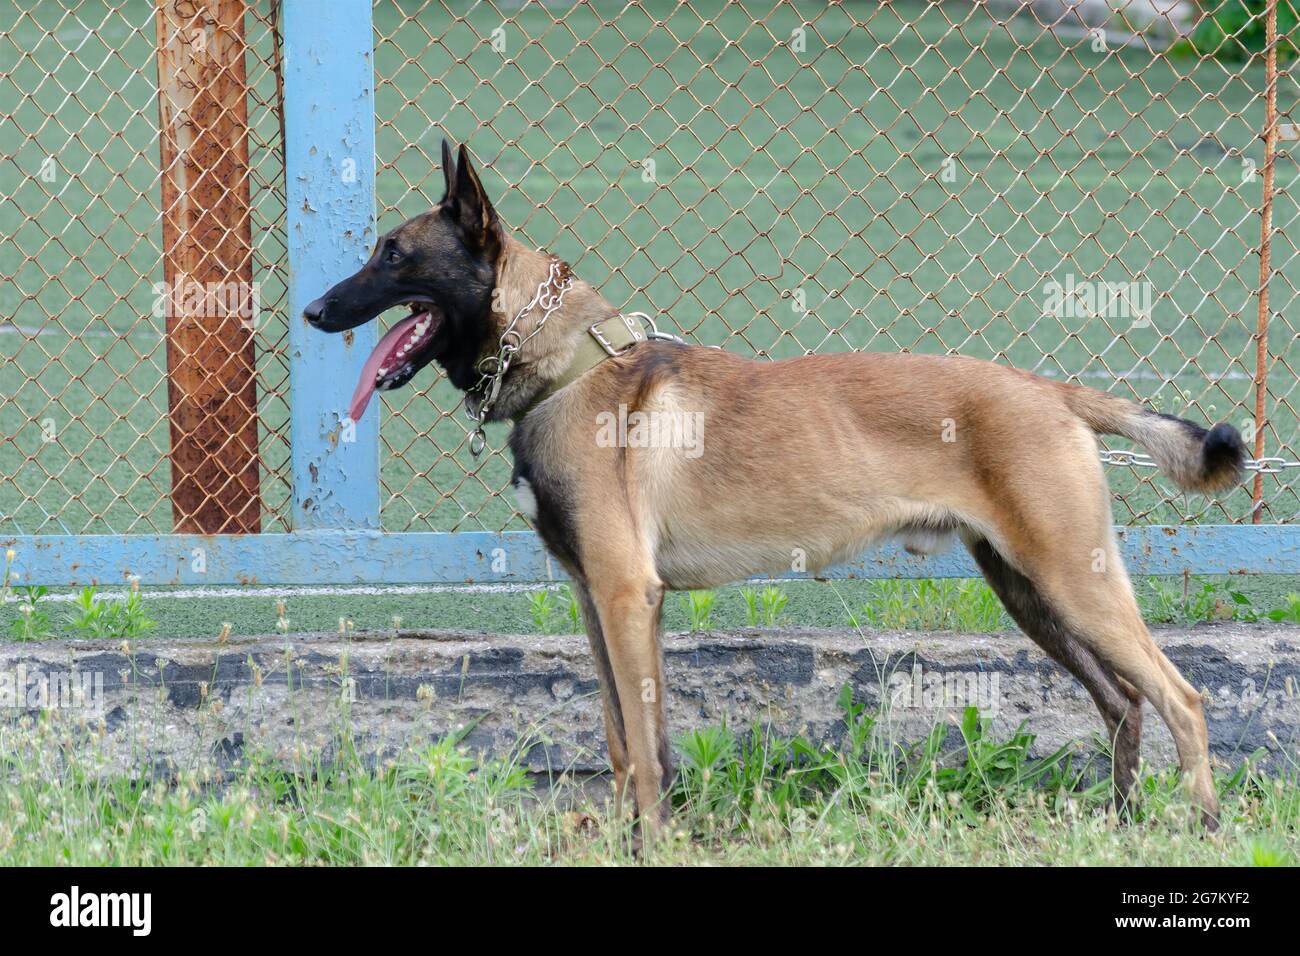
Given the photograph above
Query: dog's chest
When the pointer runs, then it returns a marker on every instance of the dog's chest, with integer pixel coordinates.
(544, 499)
(525, 498)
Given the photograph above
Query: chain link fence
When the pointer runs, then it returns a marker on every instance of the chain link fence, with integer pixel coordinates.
(84, 397)
(1077, 189)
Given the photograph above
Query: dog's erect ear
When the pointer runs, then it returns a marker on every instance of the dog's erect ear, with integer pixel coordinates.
(448, 172)
(469, 203)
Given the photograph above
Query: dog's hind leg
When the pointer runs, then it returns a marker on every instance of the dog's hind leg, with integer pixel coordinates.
(615, 736)
(1063, 542)
(1120, 705)
(1100, 607)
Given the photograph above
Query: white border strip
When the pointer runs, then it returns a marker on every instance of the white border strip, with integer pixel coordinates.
(267, 592)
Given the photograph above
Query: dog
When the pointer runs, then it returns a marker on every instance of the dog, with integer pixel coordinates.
(813, 459)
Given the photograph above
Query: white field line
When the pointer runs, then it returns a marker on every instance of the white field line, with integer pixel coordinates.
(310, 591)
(1146, 375)
(28, 332)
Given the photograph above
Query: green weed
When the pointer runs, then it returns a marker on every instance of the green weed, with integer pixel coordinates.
(541, 606)
(1195, 601)
(572, 610)
(1290, 611)
(698, 606)
(932, 605)
(763, 607)
(109, 620)
(961, 795)
(32, 623)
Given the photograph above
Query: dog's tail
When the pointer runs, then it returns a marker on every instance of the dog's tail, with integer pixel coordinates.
(1195, 458)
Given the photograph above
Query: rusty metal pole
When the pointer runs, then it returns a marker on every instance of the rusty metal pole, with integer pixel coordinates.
(208, 267)
(1265, 249)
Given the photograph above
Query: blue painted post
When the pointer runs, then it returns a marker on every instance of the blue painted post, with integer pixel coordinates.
(329, 130)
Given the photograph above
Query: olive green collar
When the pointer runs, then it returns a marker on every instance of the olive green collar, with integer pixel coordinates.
(608, 338)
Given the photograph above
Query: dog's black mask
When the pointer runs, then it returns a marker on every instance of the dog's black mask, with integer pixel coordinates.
(442, 266)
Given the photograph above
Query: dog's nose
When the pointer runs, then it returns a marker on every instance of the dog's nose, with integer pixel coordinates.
(314, 312)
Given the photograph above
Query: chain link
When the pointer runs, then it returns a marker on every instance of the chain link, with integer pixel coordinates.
(744, 222)
(1137, 459)
(482, 398)
(85, 444)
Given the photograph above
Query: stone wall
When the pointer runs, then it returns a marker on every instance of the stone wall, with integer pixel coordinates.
(193, 704)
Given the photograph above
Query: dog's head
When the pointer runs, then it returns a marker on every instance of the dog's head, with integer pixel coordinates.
(441, 266)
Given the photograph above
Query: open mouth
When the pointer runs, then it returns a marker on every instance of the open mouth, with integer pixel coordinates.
(397, 356)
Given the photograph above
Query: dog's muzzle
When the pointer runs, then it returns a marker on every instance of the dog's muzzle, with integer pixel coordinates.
(315, 312)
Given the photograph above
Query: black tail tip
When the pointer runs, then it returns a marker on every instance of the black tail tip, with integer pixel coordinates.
(1223, 457)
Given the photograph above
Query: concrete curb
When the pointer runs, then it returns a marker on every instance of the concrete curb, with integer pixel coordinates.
(201, 705)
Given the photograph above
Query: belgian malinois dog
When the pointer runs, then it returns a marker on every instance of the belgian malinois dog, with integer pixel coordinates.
(817, 457)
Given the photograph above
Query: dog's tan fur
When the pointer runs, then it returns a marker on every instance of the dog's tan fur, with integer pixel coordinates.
(819, 457)
(807, 461)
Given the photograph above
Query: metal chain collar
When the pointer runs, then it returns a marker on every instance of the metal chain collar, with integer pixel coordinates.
(482, 398)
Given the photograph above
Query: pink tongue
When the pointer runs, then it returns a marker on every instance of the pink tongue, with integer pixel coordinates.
(378, 358)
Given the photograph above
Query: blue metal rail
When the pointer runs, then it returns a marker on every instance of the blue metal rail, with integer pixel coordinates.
(374, 557)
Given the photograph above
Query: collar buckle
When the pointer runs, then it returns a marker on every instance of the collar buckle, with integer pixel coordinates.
(634, 330)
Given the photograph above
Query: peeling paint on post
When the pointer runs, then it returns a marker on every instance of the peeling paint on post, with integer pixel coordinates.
(329, 128)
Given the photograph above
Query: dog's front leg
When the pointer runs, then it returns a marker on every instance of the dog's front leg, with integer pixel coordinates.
(628, 607)
(615, 736)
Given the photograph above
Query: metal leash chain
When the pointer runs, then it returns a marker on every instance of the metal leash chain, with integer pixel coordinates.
(1136, 459)
(482, 398)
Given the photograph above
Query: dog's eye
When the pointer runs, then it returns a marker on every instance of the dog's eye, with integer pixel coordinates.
(394, 256)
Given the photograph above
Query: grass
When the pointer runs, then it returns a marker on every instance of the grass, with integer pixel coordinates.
(91, 617)
(1289, 612)
(109, 620)
(924, 604)
(746, 797)
(32, 623)
(1198, 600)
(541, 606)
(740, 798)
(544, 608)
(959, 604)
